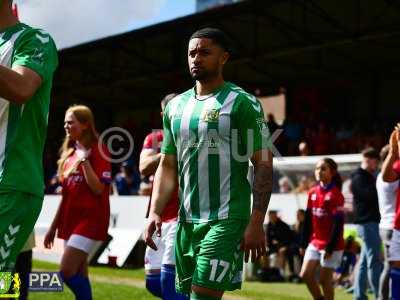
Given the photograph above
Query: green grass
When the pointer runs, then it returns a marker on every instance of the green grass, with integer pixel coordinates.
(280, 291)
(115, 284)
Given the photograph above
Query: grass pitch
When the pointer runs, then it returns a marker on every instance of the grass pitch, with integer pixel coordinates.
(118, 284)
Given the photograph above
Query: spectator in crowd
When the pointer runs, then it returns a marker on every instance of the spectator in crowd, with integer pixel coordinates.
(387, 192)
(323, 230)
(284, 185)
(279, 238)
(83, 215)
(299, 225)
(305, 183)
(127, 180)
(323, 140)
(304, 149)
(298, 229)
(367, 218)
(391, 173)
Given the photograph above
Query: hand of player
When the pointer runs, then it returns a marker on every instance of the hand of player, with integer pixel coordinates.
(253, 243)
(302, 251)
(82, 152)
(49, 238)
(154, 225)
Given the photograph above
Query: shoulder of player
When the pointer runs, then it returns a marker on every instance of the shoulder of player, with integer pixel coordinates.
(154, 136)
(243, 97)
(173, 102)
(35, 33)
(177, 101)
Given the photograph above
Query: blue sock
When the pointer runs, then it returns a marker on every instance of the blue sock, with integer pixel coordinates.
(153, 284)
(80, 286)
(168, 284)
(395, 286)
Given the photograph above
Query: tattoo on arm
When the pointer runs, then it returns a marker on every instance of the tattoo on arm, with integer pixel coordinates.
(262, 187)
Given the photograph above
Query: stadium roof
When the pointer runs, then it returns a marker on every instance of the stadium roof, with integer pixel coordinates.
(278, 42)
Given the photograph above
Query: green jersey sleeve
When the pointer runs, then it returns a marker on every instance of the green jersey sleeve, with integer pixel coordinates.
(253, 127)
(36, 50)
(168, 145)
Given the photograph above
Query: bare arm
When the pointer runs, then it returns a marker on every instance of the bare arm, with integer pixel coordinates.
(51, 232)
(388, 174)
(165, 182)
(54, 224)
(254, 243)
(262, 185)
(19, 84)
(91, 178)
(148, 163)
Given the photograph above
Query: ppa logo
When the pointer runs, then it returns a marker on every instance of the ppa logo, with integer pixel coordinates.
(45, 282)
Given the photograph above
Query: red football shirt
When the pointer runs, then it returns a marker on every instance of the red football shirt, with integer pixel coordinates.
(323, 205)
(83, 212)
(154, 141)
(396, 168)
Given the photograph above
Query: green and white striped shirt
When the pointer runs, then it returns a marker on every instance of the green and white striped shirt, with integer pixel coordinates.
(23, 128)
(213, 138)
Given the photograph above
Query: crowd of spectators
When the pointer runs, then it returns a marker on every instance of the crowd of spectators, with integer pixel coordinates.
(321, 138)
(365, 259)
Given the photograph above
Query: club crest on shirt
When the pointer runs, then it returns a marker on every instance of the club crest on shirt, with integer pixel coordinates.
(319, 212)
(314, 197)
(211, 115)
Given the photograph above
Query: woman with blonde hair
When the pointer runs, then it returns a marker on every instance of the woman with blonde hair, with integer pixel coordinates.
(83, 215)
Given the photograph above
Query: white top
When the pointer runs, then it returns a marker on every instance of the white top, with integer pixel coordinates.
(387, 192)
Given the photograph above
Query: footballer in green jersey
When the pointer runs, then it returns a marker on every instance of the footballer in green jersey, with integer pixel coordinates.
(28, 59)
(210, 134)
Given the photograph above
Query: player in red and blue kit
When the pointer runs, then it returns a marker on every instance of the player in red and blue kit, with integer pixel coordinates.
(323, 230)
(391, 173)
(160, 263)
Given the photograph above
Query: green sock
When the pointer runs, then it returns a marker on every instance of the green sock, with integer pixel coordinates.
(195, 296)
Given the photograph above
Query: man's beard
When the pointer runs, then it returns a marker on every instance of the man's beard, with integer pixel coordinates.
(199, 75)
(203, 75)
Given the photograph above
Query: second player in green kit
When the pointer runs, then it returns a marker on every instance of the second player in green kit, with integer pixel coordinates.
(28, 59)
(210, 134)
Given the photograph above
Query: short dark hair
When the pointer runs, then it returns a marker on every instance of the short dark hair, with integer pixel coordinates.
(214, 34)
(370, 153)
(166, 99)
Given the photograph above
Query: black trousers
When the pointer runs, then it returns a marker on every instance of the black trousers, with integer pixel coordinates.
(23, 267)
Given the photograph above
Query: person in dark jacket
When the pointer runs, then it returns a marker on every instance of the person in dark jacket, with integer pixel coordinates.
(367, 218)
(279, 240)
